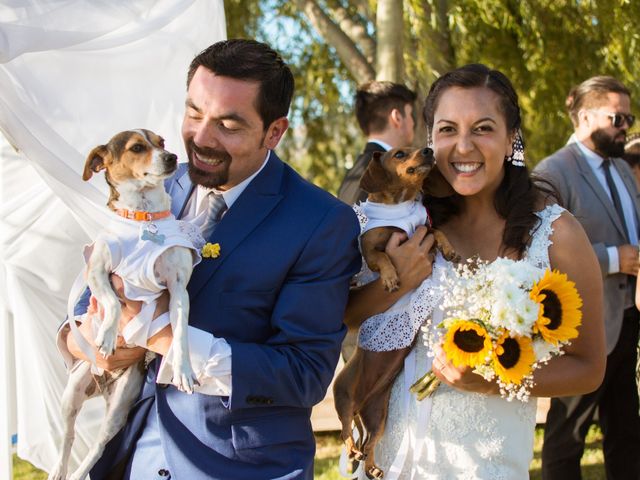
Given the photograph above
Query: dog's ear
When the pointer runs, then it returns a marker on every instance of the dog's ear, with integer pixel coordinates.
(375, 178)
(436, 185)
(95, 161)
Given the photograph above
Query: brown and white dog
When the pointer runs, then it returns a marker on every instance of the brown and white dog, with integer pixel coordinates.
(363, 387)
(135, 164)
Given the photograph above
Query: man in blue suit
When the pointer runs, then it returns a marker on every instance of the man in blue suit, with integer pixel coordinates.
(266, 317)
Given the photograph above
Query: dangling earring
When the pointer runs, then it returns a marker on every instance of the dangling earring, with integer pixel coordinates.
(517, 151)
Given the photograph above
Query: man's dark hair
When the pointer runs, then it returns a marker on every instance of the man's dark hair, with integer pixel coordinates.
(632, 150)
(375, 100)
(252, 61)
(591, 93)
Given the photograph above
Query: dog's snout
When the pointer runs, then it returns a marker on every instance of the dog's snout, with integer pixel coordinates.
(427, 152)
(171, 160)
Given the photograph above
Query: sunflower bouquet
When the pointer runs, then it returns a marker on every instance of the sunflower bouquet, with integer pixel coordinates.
(504, 319)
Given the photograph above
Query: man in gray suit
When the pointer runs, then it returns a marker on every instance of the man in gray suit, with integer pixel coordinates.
(599, 189)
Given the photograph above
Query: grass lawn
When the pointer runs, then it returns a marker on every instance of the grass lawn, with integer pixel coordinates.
(328, 452)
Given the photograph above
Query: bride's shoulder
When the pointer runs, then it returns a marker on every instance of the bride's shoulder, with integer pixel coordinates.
(567, 232)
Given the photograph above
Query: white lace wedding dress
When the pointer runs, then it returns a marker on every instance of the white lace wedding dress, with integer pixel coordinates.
(454, 434)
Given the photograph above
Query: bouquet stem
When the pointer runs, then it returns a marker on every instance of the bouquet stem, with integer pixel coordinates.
(425, 386)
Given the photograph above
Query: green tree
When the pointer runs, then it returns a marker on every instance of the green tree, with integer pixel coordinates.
(544, 46)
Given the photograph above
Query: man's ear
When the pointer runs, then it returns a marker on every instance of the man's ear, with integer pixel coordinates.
(275, 132)
(436, 185)
(395, 117)
(95, 161)
(375, 178)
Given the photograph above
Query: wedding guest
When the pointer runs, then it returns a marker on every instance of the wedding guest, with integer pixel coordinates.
(632, 155)
(600, 190)
(467, 429)
(267, 313)
(384, 111)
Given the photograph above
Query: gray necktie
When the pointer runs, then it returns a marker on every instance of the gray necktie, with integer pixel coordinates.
(214, 211)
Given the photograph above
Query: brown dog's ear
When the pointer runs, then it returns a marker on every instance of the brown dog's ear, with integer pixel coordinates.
(436, 185)
(95, 161)
(375, 178)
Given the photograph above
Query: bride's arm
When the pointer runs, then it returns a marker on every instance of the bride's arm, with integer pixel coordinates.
(413, 262)
(581, 369)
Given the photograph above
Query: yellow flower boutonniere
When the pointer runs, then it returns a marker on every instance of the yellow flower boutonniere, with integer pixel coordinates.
(211, 250)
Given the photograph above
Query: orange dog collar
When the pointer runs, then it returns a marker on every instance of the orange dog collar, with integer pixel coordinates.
(141, 216)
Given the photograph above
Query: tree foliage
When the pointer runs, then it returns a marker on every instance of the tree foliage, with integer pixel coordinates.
(544, 46)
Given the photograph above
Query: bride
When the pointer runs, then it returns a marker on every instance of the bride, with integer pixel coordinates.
(466, 429)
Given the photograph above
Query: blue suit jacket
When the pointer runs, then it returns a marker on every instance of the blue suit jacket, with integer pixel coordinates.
(277, 294)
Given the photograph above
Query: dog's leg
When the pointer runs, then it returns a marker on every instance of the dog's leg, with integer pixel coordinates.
(98, 270)
(120, 397)
(175, 267)
(343, 390)
(373, 243)
(443, 244)
(374, 419)
(75, 393)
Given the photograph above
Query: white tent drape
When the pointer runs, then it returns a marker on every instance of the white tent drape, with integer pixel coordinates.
(72, 74)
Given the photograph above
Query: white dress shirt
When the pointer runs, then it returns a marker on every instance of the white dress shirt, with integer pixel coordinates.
(210, 356)
(595, 161)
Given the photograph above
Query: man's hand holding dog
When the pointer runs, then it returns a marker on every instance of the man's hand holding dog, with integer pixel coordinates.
(122, 357)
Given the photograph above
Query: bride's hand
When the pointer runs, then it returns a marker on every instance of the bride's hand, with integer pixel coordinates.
(412, 258)
(462, 378)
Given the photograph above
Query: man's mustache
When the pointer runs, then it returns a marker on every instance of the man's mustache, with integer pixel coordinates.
(210, 152)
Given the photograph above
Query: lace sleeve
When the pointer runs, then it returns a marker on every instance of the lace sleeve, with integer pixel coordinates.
(397, 327)
(538, 251)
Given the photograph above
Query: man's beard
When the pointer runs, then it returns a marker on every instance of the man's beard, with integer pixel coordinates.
(608, 145)
(202, 177)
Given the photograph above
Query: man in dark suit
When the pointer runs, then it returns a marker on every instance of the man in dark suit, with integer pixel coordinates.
(598, 187)
(266, 316)
(384, 111)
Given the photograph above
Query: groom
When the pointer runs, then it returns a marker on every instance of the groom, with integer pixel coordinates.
(266, 314)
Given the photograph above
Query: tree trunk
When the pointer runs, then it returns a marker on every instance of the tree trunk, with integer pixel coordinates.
(390, 35)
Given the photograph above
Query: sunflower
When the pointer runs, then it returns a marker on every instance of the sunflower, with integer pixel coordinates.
(466, 343)
(513, 358)
(559, 315)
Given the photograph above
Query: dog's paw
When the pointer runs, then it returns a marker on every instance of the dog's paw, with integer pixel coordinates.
(184, 379)
(374, 472)
(390, 282)
(452, 256)
(58, 473)
(106, 343)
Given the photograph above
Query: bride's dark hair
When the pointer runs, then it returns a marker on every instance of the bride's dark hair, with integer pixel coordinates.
(517, 196)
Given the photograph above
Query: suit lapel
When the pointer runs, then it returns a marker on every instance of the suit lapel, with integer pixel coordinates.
(180, 190)
(259, 198)
(591, 180)
(630, 184)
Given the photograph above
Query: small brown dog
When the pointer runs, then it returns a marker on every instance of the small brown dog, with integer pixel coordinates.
(363, 387)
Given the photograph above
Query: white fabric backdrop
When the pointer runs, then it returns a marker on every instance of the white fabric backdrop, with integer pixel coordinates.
(72, 74)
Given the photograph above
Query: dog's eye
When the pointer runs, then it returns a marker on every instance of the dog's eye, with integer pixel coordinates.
(399, 154)
(411, 170)
(137, 148)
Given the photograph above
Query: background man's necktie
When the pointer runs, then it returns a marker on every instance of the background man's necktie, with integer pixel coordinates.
(214, 211)
(606, 165)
